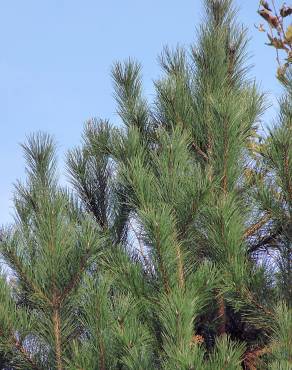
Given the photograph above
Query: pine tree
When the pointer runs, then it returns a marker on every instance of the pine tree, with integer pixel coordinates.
(48, 250)
(161, 256)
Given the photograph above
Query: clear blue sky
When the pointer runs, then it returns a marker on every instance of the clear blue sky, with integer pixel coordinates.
(55, 61)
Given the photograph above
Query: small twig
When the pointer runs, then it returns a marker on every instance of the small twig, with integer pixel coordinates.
(76, 278)
(200, 151)
(141, 247)
(255, 227)
(25, 354)
(268, 239)
(251, 357)
(251, 297)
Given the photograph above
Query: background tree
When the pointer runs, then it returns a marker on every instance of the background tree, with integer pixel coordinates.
(48, 251)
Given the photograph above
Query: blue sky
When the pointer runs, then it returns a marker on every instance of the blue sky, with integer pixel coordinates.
(55, 62)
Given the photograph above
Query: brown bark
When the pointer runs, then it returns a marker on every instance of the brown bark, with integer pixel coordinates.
(222, 316)
(102, 356)
(58, 341)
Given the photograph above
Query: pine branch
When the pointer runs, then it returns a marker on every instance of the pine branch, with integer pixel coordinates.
(162, 267)
(22, 351)
(200, 151)
(181, 277)
(265, 240)
(26, 356)
(76, 278)
(251, 357)
(255, 227)
(288, 175)
(250, 296)
(16, 264)
(57, 333)
(141, 247)
(222, 316)
(224, 182)
(102, 364)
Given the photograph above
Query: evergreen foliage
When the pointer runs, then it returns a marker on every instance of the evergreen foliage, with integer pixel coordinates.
(173, 250)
